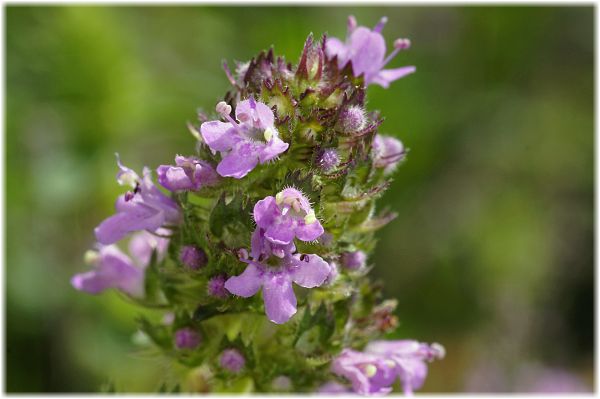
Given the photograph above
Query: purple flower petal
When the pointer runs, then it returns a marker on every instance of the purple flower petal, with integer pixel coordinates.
(280, 300)
(367, 51)
(272, 150)
(143, 244)
(368, 374)
(153, 197)
(309, 232)
(173, 178)
(237, 164)
(309, 271)
(126, 176)
(219, 136)
(189, 174)
(335, 47)
(282, 232)
(255, 114)
(246, 284)
(138, 217)
(265, 212)
(387, 76)
(261, 246)
(113, 270)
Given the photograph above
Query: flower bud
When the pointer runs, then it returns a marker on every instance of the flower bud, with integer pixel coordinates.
(327, 159)
(232, 360)
(168, 318)
(387, 153)
(186, 338)
(281, 383)
(351, 120)
(333, 274)
(353, 260)
(192, 257)
(216, 287)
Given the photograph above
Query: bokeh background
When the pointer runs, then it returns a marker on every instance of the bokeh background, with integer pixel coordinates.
(492, 252)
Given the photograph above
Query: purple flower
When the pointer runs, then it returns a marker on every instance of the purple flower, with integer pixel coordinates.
(193, 257)
(187, 338)
(387, 153)
(144, 208)
(353, 260)
(369, 374)
(189, 173)
(143, 244)
(408, 359)
(275, 278)
(245, 144)
(232, 360)
(365, 48)
(216, 287)
(114, 269)
(286, 216)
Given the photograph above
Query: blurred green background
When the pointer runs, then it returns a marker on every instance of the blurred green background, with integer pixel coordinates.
(492, 252)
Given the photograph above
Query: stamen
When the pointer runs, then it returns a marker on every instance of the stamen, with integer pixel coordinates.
(399, 45)
(296, 205)
(390, 363)
(379, 27)
(402, 44)
(438, 350)
(278, 252)
(223, 108)
(351, 24)
(129, 196)
(229, 74)
(279, 198)
(310, 217)
(370, 370)
(242, 253)
(268, 134)
(90, 257)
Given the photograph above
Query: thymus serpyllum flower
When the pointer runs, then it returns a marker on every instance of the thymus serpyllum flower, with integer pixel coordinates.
(256, 248)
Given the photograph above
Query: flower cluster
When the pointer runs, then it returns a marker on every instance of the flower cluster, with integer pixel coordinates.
(257, 245)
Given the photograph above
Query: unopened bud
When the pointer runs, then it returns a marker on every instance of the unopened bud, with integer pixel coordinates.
(328, 159)
(187, 338)
(192, 257)
(353, 260)
(232, 360)
(216, 287)
(351, 120)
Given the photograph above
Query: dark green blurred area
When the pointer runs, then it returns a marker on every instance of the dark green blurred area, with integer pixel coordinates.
(492, 251)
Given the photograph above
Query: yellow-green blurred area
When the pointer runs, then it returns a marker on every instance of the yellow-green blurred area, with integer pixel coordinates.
(491, 253)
